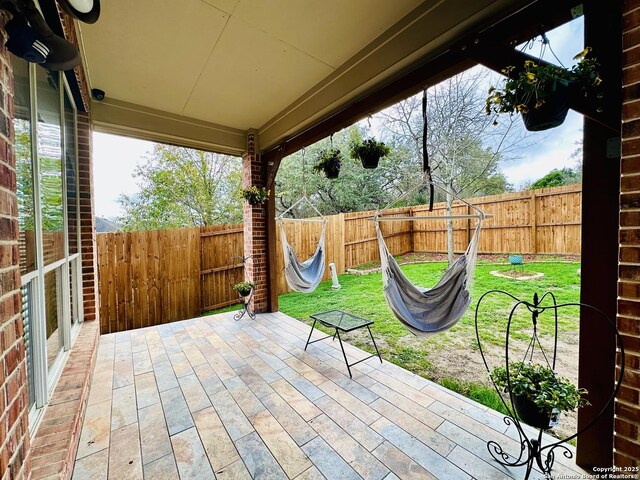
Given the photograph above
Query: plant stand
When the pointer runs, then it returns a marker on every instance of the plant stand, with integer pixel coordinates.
(246, 307)
(533, 453)
(233, 277)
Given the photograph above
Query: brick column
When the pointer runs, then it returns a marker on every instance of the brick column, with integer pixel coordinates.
(14, 418)
(87, 218)
(627, 409)
(255, 225)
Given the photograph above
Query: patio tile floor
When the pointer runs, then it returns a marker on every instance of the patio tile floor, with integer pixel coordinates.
(214, 398)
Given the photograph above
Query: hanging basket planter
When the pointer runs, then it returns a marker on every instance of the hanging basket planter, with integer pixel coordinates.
(538, 395)
(370, 161)
(331, 172)
(540, 91)
(369, 152)
(551, 113)
(530, 414)
(329, 161)
(255, 195)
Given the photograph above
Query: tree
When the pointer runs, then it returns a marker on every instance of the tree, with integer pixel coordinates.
(24, 175)
(182, 187)
(465, 149)
(556, 178)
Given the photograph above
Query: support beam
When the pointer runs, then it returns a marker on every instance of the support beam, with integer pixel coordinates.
(256, 239)
(600, 211)
(272, 254)
(430, 73)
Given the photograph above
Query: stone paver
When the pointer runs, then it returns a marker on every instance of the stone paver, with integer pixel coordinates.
(219, 447)
(190, 456)
(215, 398)
(125, 461)
(153, 433)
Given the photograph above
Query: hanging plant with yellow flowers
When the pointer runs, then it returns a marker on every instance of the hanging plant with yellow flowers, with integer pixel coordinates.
(536, 84)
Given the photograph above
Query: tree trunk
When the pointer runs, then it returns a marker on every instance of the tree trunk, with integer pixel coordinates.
(449, 229)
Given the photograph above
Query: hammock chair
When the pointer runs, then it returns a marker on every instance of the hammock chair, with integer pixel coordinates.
(303, 276)
(424, 311)
(428, 311)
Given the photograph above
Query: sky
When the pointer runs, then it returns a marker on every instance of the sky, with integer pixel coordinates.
(116, 157)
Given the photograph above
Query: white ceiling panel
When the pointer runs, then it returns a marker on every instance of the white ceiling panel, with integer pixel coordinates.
(330, 30)
(149, 52)
(226, 6)
(249, 76)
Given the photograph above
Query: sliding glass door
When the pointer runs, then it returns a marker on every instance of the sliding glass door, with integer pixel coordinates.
(48, 209)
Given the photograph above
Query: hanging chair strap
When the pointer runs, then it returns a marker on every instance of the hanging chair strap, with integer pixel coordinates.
(426, 168)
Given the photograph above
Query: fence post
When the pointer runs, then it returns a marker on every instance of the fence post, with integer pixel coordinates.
(342, 263)
(533, 246)
(468, 227)
(411, 241)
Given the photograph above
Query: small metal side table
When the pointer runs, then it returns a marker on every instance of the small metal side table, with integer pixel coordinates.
(342, 322)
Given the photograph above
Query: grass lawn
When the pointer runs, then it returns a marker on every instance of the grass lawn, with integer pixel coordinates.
(362, 295)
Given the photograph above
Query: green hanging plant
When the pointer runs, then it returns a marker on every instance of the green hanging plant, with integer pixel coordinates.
(329, 161)
(538, 385)
(369, 152)
(255, 195)
(244, 288)
(537, 89)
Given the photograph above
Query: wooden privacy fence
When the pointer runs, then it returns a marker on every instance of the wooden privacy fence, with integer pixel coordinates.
(159, 276)
(545, 221)
(153, 277)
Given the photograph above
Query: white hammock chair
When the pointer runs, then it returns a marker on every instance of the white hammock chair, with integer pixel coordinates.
(424, 311)
(303, 276)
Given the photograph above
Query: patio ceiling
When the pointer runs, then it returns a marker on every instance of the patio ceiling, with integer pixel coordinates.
(204, 73)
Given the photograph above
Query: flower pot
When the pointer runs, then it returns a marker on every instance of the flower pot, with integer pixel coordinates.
(370, 161)
(529, 413)
(331, 172)
(515, 259)
(551, 113)
(254, 202)
(244, 293)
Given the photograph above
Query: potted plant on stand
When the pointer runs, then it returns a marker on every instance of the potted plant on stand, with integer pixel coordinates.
(244, 288)
(369, 152)
(540, 91)
(255, 195)
(329, 161)
(537, 393)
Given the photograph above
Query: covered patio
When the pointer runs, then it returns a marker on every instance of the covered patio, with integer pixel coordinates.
(212, 396)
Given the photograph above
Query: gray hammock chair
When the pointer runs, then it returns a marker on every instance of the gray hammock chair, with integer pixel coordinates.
(424, 311)
(303, 276)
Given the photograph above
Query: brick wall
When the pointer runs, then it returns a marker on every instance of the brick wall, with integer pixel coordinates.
(87, 217)
(255, 225)
(14, 429)
(627, 410)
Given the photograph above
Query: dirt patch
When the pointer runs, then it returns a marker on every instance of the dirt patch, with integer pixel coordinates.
(517, 274)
